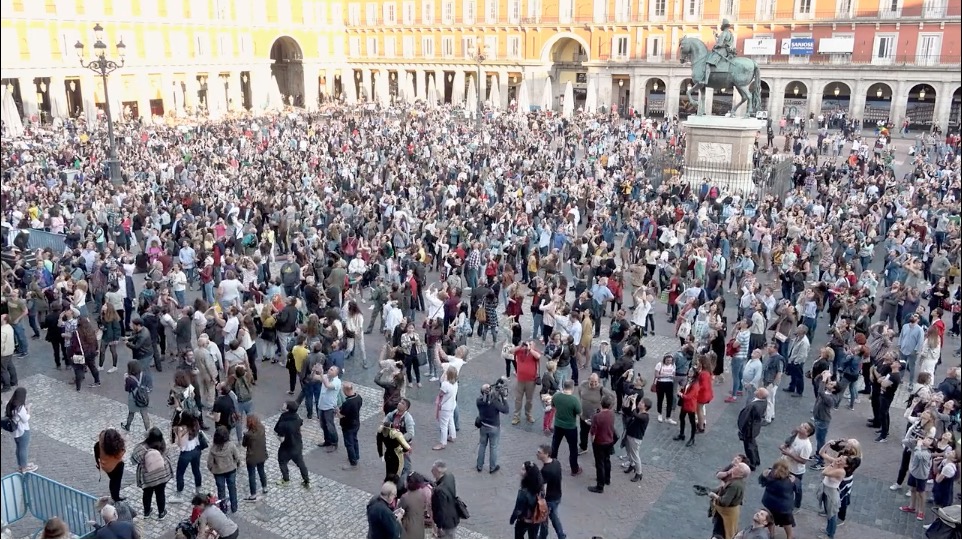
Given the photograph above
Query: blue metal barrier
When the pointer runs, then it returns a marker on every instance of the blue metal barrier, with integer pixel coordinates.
(44, 498)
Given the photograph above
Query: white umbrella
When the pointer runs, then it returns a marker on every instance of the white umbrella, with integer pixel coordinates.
(524, 101)
(591, 98)
(472, 102)
(547, 97)
(58, 103)
(457, 91)
(432, 93)
(412, 92)
(216, 99)
(568, 104)
(11, 116)
(495, 96)
(90, 113)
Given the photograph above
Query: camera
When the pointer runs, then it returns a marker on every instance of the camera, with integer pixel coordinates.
(498, 388)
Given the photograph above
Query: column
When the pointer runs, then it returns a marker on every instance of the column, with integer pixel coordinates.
(943, 105)
(366, 93)
(144, 95)
(88, 86)
(191, 99)
(421, 84)
(536, 82)
(776, 99)
(58, 96)
(900, 95)
(503, 84)
(639, 90)
(815, 97)
(672, 96)
(167, 92)
(856, 102)
(606, 94)
(311, 88)
(28, 93)
(329, 73)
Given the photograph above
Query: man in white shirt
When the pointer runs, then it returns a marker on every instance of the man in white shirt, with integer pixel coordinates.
(798, 450)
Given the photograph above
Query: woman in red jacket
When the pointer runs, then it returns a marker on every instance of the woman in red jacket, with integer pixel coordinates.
(689, 404)
(706, 364)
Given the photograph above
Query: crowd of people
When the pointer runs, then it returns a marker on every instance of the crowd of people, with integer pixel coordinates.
(258, 240)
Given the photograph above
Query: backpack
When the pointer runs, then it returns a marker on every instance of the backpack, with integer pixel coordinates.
(481, 315)
(539, 514)
(214, 332)
(242, 390)
(139, 394)
(702, 297)
(153, 461)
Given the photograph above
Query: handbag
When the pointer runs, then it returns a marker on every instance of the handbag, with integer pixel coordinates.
(422, 358)
(462, 508)
(79, 359)
(202, 441)
(654, 387)
(780, 337)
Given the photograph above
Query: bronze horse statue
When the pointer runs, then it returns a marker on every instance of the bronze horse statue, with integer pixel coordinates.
(742, 74)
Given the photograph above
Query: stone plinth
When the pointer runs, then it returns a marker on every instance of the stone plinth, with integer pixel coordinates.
(721, 148)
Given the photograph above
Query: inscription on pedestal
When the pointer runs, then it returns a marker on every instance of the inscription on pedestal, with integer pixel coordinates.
(715, 152)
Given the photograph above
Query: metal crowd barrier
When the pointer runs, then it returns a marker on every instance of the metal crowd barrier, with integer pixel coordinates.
(43, 498)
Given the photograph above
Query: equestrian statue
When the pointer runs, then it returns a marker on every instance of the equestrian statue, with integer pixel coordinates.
(720, 68)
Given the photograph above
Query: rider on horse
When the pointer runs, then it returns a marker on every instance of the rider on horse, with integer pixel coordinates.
(724, 49)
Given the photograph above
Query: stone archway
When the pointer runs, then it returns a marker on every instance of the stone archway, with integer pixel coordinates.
(920, 106)
(656, 92)
(878, 104)
(955, 110)
(567, 52)
(836, 99)
(563, 42)
(288, 70)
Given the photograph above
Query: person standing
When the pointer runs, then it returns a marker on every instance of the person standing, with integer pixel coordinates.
(825, 402)
(18, 410)
(491, 406)
(16, 312)
(8, 372)
(382, 521)
(750, 426)
(402, 420)
(567, 412)
(526, 359)
(636, 424)
(772, 368)
(798, 350)
(349, 414)
(525, 516)
(798, 449)
(288, 428)
(590, 393)
(327, 407)
(444, 501)
(603, 443)
(223, 460)
(154, 470)
(255, 441)
(551, 474)
(138, 398)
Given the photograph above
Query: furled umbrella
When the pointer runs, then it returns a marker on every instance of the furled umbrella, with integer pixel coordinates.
(547, 96)
(568, 103)
(11, 115)
(591, 97)
(432, 93)
(472, 102)
(495, 96)
(524, 101)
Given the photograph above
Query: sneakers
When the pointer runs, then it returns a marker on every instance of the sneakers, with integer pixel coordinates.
(306, 485)
(94, 385)
(577, 472)
(582, 451)
(661, 418)
(283, 483)
(433, 379)
(516, 420)
(881, 439)
(920, 516)
(252, 498)
(907, 509)
(112, 370)
(30, 468)
(672, 421)
(731, 399)
(161, 515)
(176, 498)
(895, 487)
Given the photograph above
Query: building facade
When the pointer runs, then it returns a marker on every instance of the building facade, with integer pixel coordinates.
(873, 59)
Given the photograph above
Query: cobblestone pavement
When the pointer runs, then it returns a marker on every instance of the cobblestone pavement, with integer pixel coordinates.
(65, 425)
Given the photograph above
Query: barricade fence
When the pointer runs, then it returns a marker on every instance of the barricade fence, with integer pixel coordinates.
(34, 495)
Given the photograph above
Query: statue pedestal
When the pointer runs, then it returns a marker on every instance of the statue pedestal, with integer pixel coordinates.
(721, 148)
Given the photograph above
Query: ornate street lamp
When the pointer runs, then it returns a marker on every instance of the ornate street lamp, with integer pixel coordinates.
(102, 66)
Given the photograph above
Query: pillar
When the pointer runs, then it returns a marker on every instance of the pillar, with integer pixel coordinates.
(260, 86)
(235, 94)
(776, 99)
(88, 85)
(311, 88)
(191, 99)
(28, 93)
(606, 94)
(943, 105)
(673, 96)
(421, 84)
(815, 97)
(58, 87)
(639, 90)
(708, 101)
(900, 95)
(503, 84)
(144, 96)
(366, 92)
(856, 102)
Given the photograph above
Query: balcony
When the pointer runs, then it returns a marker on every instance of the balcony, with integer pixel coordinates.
(889, 14)
(897, 60)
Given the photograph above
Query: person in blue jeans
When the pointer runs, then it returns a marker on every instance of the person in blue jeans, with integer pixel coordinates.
(551, 474)
(491, 405)
(255, 442)
(826, 399)
(191, 441)
(223, 461)
(829, 499)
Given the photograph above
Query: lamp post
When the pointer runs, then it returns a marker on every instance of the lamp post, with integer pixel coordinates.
(103, 67)
(477, 54)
